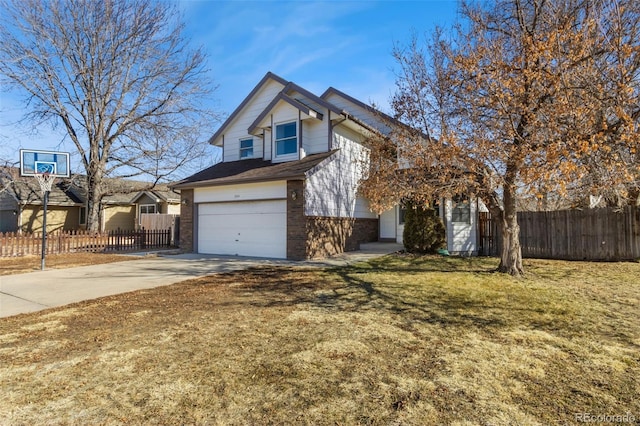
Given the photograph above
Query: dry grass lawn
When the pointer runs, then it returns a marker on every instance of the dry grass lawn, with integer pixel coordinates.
(23, 264)
(399, 340)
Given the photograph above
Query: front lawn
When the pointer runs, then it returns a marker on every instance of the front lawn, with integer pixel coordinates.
(399, 340)
(24, 264)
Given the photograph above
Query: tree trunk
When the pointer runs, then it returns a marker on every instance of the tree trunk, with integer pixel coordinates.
(511, 254)
(93, 215)
(94, 198)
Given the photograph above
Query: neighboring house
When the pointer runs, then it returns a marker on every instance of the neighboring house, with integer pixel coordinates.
(21, 206)
(123, 210)
(287, 186)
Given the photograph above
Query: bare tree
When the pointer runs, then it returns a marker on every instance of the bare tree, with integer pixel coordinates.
(118, 76)
(524, 97)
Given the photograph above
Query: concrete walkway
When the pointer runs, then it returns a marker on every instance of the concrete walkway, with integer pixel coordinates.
(40, 290)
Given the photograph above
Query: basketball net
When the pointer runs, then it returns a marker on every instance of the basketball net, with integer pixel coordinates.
(45, 180)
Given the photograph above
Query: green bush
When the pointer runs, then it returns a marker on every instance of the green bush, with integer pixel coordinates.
(424, 231)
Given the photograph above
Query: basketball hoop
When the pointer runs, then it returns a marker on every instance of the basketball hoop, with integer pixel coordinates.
(44, 166)
(45, 180)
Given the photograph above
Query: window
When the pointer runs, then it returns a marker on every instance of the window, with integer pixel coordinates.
(402, 212)
(83, 215)
(286, 138)
(246, 148)
(461, 209)
(148, 208)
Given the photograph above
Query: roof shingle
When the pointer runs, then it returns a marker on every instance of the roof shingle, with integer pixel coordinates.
(254, 170)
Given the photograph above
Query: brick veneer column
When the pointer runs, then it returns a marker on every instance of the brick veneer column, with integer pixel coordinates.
(296, 224)
(186, 220)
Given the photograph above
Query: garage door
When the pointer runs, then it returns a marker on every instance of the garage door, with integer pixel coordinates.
(248, 228)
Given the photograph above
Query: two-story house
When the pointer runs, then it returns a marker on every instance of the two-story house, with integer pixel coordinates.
(287, 186)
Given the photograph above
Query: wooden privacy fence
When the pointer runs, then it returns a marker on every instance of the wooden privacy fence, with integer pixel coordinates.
(157, 221)
(14, 244)
(160, 222)
(592, 234)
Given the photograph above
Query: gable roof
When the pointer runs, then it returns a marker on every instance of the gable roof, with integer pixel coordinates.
(333, 91)
(291, 87)
(268, 76)
(254, 170)
(385, 117)
(161, 193)
(285, 95)
(286, 98)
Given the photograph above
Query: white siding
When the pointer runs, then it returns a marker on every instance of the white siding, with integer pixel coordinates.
(358, 112)
(461, 237)
(238, 128)
(247, 191)
(266, 143)
(173, 208)
(332, 190)
(388, 224)
(315, 135)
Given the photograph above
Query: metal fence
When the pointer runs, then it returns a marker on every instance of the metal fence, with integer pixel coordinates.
(22, 244)
(590, 234)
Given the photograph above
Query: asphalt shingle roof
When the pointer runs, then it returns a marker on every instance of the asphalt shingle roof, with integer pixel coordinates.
(254, 170)
(71, 191)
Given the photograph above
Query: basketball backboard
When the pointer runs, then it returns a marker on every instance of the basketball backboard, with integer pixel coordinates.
(34, 162)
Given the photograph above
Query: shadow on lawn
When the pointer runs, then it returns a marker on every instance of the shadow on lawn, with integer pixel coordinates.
(430, 263)
(440, 307)
(347, 289)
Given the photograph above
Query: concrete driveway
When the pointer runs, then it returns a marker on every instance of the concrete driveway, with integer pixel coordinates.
(40, 290)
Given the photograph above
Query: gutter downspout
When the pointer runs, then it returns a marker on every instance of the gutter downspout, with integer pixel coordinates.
(332, 126)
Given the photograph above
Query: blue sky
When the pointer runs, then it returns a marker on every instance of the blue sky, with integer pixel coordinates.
(317, 44)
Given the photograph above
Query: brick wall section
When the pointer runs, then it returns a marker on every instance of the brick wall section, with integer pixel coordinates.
(186, 220)
(296, 221)
(328, 236)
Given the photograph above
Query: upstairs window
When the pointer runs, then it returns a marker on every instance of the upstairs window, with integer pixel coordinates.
(246, 148)
(286, 138)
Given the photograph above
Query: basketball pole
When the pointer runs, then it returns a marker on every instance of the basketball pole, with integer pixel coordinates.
(45, 201)
(45, 166)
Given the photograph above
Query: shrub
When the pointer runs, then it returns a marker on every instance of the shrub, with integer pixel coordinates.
(424, 231)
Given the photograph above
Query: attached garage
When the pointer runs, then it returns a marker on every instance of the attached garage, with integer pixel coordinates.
(244, 228)
(257, 208)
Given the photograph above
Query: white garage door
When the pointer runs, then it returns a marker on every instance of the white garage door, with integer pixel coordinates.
(248, 228)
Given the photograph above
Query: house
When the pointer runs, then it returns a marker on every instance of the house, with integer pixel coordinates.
(21, 204)
(287, 186)
(128, 201)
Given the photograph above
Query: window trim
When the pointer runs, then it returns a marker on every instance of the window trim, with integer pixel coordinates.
(82, 214)
(140, 206)
(155, 208)
(463, 216)
(289, 155)
(245, 149)
(402, 212)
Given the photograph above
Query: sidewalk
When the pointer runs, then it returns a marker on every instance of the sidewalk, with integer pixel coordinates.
(40, 290)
